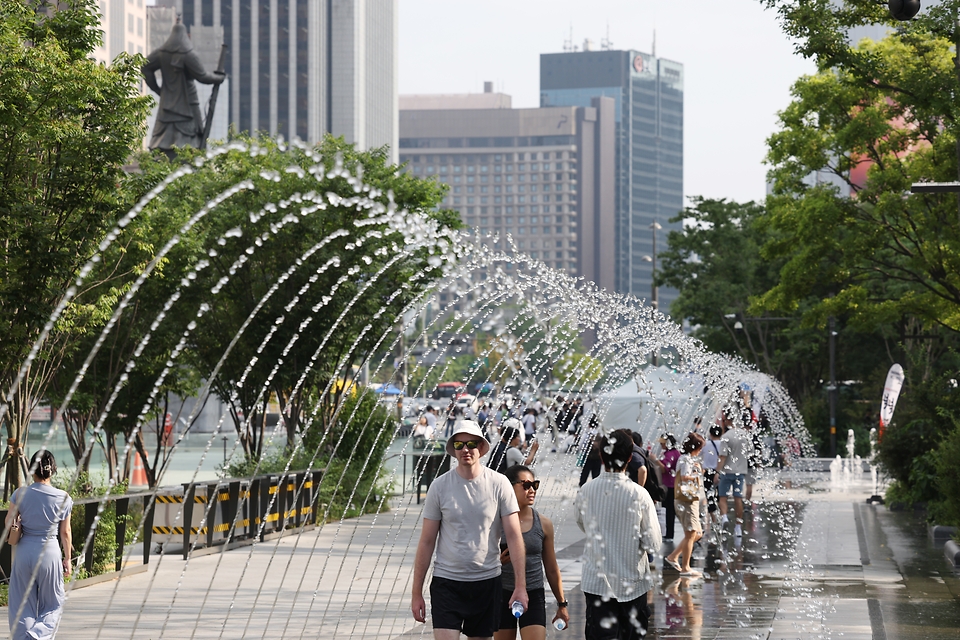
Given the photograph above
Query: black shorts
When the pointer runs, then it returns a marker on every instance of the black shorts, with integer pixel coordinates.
(470, 607)
(536, 612)
(608, 619)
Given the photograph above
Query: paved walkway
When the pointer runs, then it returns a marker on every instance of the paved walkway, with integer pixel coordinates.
(814, 562)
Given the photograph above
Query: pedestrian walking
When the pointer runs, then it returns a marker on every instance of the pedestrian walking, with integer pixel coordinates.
(38, 514)
(668, 460)
(710, 457)
(735, 450)
(466, 512)
(622, 532)
(538, 537)
(687, 497)
(529, 424)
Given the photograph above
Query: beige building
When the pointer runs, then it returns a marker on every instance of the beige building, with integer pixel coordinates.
(545, 176)
(124, 25)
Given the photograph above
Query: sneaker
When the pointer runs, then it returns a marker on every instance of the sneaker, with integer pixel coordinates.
(737, 531)
(724, 520)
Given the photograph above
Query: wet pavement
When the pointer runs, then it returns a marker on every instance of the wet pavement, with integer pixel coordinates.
(815, 561)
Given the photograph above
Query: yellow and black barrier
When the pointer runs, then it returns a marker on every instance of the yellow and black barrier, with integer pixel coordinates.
(230, 510)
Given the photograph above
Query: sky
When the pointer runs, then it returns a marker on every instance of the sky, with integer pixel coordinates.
(739, 66)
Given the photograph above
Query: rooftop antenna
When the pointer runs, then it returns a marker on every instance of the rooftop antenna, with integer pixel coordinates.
(568, 42)
(605, 43)
(654, 47)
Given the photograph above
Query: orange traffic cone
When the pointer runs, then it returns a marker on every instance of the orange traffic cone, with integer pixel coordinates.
(138, 478)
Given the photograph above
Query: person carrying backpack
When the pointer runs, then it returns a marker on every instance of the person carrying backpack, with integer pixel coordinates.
(642, 471)
(507, 452)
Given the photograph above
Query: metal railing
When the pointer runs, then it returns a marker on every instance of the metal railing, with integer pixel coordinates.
(225, 511)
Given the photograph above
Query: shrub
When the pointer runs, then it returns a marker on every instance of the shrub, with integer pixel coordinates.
(351, 482)
(947, 509)
(104, 538)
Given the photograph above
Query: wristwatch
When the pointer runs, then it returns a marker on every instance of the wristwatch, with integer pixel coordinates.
(563, 604)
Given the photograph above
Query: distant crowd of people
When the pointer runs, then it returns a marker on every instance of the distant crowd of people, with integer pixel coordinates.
(493, 548)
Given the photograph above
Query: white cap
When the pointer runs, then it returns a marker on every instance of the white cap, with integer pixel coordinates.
(471, 427)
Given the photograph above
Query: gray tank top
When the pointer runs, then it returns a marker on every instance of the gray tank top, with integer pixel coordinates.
(533, 541)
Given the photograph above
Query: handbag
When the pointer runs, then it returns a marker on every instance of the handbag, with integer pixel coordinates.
(13, 537)
(689, 490)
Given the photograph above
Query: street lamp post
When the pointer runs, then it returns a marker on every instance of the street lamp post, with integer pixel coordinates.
(832, 389)
(654, 289)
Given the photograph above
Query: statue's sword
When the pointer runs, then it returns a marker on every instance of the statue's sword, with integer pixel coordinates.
(213, 99)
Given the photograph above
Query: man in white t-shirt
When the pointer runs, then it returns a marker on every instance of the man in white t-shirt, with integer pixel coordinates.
(465, 511)
(431, 415)
(529, 421)
(735, 450)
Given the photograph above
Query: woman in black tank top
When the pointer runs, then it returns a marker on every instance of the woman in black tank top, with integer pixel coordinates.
(541, 556)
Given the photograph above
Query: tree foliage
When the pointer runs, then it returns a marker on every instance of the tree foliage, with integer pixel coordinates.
(67, 127)
(716, 264)
(291, 282)
(877, 117)
(853, 241)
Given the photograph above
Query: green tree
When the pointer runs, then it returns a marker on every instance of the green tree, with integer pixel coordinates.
(876, 117)
(297, 283)
(67, 126)
(581, 368)
(853, 241)
(716, 264)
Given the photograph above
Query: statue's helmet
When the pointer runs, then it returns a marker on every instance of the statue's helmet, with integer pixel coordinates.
(179, 41)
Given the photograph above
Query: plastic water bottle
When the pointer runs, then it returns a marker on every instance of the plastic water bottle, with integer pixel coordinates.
(517, 608)
(559, 624)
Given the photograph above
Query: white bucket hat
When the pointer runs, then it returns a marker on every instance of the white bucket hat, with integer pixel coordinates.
(471, 427)
(513, 423)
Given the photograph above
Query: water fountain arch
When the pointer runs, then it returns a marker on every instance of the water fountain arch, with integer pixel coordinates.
(625, 332)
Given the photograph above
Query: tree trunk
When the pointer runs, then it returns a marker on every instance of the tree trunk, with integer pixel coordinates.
(18, 424)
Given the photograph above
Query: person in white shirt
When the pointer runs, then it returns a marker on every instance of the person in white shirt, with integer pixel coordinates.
(711, 450)
(466, 510)
(529, 420)
(735, 450)
(431, 416)
(711, 458)
(622, 529)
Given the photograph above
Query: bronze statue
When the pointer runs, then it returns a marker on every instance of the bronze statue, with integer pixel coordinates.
(179, 121)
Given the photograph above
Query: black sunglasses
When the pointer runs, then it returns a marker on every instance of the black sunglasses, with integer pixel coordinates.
(529, 484)
(471, 444)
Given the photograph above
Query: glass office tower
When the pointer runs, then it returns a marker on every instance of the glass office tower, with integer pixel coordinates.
(648, 93)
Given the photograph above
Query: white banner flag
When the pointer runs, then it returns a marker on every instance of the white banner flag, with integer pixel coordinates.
(891, 391)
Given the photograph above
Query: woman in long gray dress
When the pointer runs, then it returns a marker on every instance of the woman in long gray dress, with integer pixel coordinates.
(36, 583)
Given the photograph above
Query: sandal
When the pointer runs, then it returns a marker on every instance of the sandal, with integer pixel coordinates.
(673, 563)
(693, 573)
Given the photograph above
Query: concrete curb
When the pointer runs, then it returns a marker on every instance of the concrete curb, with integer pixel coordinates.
(952, 552)
(940, 533)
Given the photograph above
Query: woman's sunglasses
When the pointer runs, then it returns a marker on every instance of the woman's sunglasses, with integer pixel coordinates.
(470, 444)
(529, 484)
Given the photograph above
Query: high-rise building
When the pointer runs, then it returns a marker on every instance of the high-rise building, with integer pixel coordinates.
(648, 95)
(124, 26)
(545, 176)
(302, 68)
